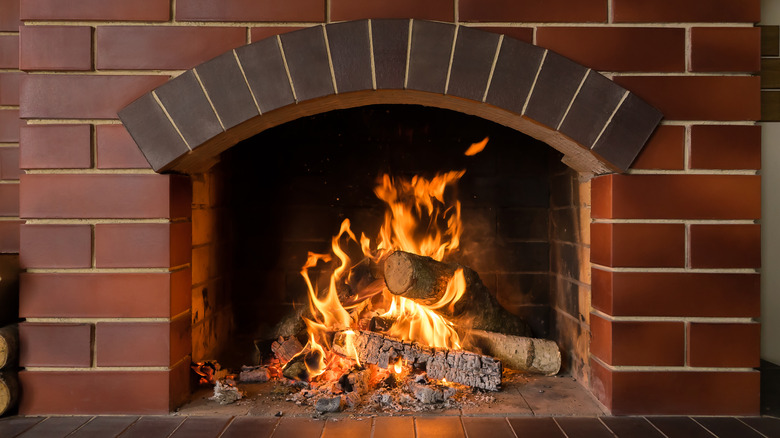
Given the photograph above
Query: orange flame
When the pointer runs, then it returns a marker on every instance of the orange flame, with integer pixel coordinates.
(477, 147)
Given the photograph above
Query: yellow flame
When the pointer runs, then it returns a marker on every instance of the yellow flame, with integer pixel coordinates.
(477, 147)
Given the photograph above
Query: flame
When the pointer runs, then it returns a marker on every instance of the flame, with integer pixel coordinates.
(477, 147)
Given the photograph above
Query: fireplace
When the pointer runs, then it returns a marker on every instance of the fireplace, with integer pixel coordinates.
(654, 241)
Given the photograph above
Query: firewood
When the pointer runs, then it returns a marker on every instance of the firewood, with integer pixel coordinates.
(537, 356)
(9, 346)
(9, 391)
(425, 280)
(463, 367)
(286, 349)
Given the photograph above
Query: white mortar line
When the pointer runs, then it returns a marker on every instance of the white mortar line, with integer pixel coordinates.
(687, 246)
(101, 270)
(687, 148)
(208, 98)
(609, 120)
(371, 53)
(687, 319)
(677, 221)
(73, 121)
(95, 369)
(408, 53)
(95, 320)
(246, 80)
(95, 221)
(573, 98)
(533, 84)
(634, 368)
(157, 99)
(330, 60)
(688, 49)
(452, 56)
(746, 172)
(286, 67)
(676, 270)
(91, 171)
(493, 67)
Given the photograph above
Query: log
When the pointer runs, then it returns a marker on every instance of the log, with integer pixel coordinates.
(536, 356)
(425, 280)
(9, 391)
(286, 349)
(457, 366)
(9, 346)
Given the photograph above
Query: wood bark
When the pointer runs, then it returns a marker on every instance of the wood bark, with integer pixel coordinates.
(9, 346)
(9, 391)
(425, 280)
(537, 356)
(457, 366)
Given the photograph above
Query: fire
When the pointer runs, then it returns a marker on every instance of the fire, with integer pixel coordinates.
(418, 219)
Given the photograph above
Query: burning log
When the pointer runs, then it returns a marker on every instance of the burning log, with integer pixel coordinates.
(9, 391)
(537, 356)
(463, 367)
(9, 346)
(425, 280)
(286, 349)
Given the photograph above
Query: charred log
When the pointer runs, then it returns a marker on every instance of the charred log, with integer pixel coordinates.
(537, 356)
(425, 280)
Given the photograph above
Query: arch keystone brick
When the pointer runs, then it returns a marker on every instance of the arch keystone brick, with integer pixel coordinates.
(186, 123)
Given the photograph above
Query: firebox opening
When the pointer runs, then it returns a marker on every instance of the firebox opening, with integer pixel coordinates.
(284, 192)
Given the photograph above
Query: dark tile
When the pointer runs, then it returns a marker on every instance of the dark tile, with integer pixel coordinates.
(152, 131)
(54, 427)
(189, 109)
(307, 59)
(12, 426)
(299, 428)
(439, 427)
(264, 68)
(471, 63)
(390, 39)
(631, 427)
(628, 132)
(351, 55)
(393, 427)
(514, 74)
(679, 427)
(201, 427)
(538, 427)
(583, 427)
(597, 99)
(152, 426)
(101, 427)
(767, 425)
(484, 427)
(348, 428)
(727, 427)
(227, 89)
(259, 427)
(555, 86)
(430, 55)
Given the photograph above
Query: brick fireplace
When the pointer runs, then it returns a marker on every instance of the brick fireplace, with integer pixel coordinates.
(124, 111)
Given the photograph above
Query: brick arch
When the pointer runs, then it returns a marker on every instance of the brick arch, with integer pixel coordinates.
(184, 125)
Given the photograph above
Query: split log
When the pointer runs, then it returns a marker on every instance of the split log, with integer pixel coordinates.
(286, 349)
(457, 366)
(9, 346)
(425, 280)
(537, 356)
(9, 391)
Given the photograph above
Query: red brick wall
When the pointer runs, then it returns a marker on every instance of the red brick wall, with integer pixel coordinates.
(106, 242)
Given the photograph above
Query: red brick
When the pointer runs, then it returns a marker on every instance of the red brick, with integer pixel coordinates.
(676, 294)
(56, 48)
(635, 343)
(95, 392)
(677, 197)
(699, 97)
(81, 96)
(618, 48)
(9, 19)
(725, 147)
(55, 345)
(250, 10)
(55, 246)
(104, 196)
(261, 33)
(9, 51)
(593, 11)
(664, 150)
(9, 163)
(139, 10)
(130, 343)
(9, 88)
(724, 345)
(727, 49)
(727, 11)
(142, 245)
(9, 125)
(519, 33)
(151, 295)
(638, 245)
(55, 146)
(169, 47)
(117, 150)
(9, 236)
(676, 392)
(9, 200)
(440, 10)
(725, 246)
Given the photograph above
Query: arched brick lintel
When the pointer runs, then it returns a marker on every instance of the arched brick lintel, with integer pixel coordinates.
(184, 125)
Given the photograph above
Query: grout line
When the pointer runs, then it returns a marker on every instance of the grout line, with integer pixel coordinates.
(687, 147)
(506, 419)
(408, 53)
(455, 11)
(452, 57)
(101, 271)
(533, 85)
(246, 80)
(687, 246)
(573, 98)
(159, 102)
(96, 369)
(677, 221)
(741, 421)
(206, 93)
(686, 326)
(677, 270)
(493, 67)
(674, 369)
(693, 172)
(286, 67)
(330, 60)
(609, 120)
(688, 49)
(281, 23)
(97, 320)
(371, 53)
(686, 319)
